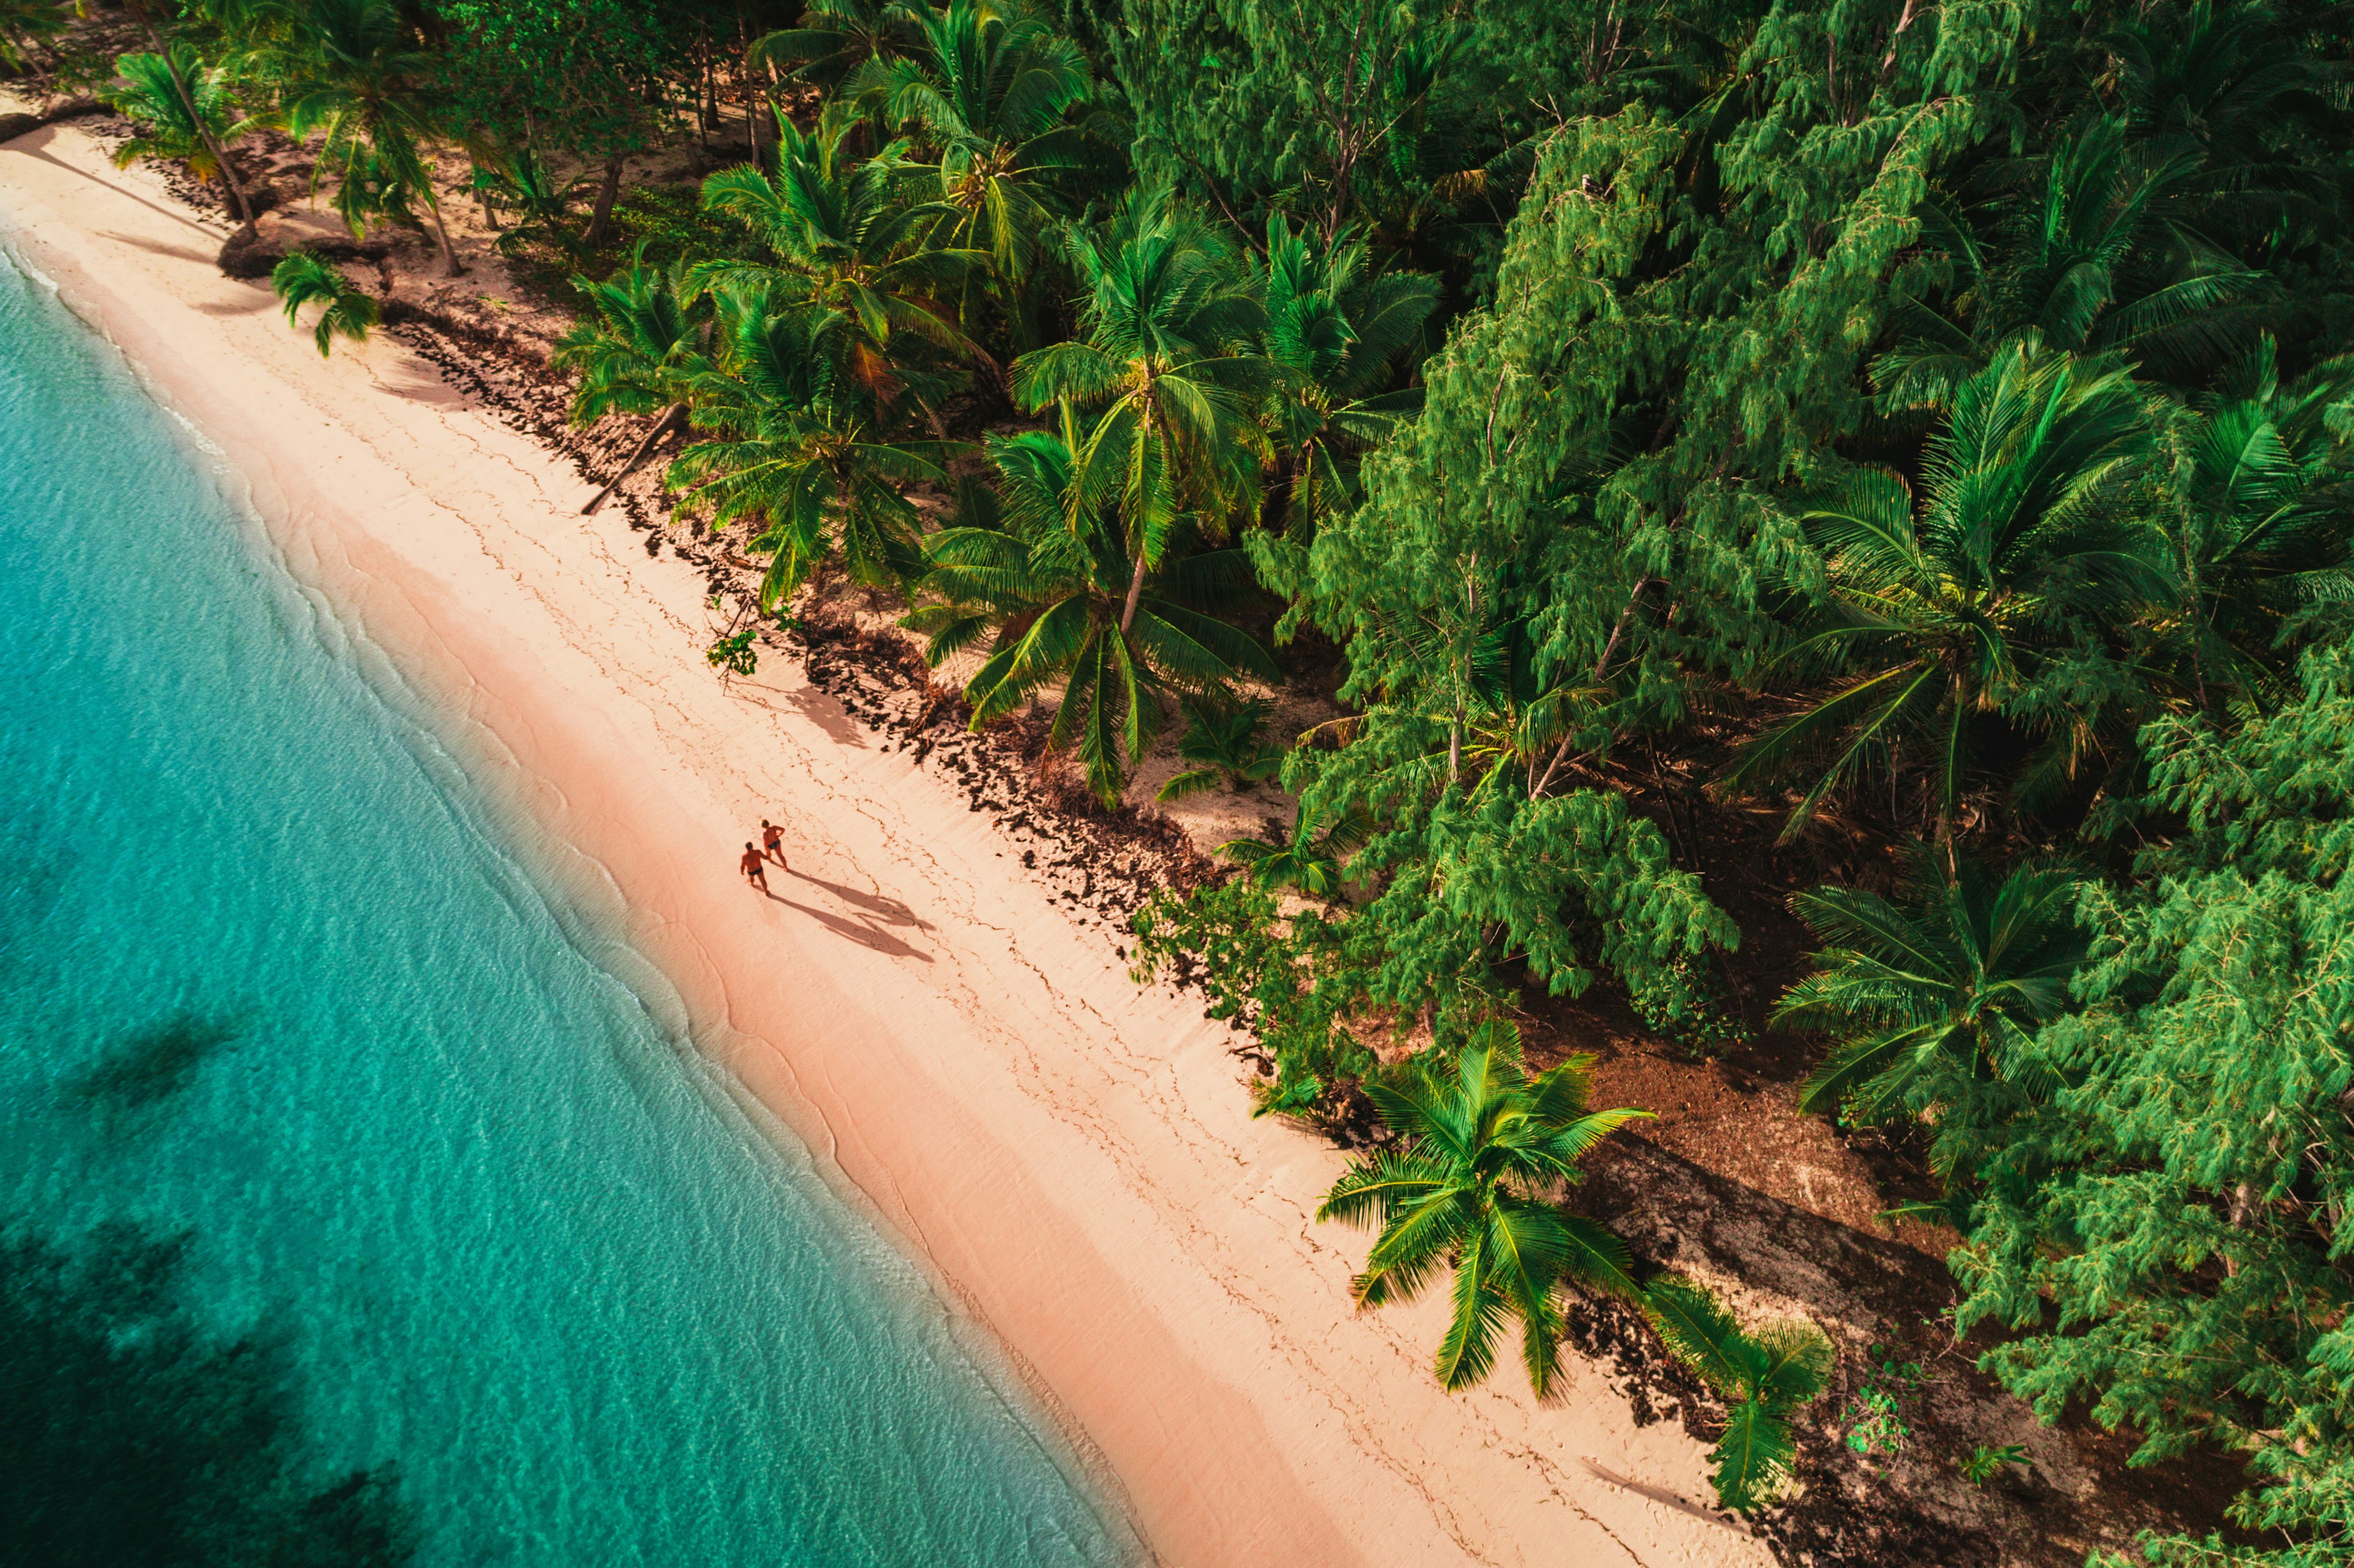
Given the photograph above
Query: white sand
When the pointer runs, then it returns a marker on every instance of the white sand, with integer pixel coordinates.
(1071, 1157)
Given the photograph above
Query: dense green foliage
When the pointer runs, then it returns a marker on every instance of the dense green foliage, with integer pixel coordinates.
(1931, 424)
(2169, 1234)
(524, 78)
(1944, 405)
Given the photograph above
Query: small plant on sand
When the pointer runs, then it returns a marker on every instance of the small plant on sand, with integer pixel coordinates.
(1875, 1421)
(733, 654)
(1984, 1463)
(1468, 1190)
(538, 205)
(306, 278)
(1227, 743)
(1765, 1379)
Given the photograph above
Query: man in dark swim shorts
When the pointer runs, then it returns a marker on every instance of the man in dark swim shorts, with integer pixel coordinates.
(753, 872)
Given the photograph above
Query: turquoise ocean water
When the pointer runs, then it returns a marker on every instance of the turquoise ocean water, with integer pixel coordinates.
(275, 980)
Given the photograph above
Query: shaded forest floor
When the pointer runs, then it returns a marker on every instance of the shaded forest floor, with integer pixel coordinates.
(1731, 1184)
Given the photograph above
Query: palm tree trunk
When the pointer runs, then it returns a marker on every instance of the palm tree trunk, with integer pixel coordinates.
(24, 47)
(442, 230)
(600, 219)
(1135, 592)
(673, 418)
(195, 120)
(707, 110)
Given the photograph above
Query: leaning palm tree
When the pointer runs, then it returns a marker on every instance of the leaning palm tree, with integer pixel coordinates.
(26, 24)
(1934, 994)
(991, 90)
(354, 72)
(844, 236)
(631, 353)
(1764, 1378)
(306, 278)
(1164, 371)
(1943, 611)
(1468, 1190)
(182, 107)
(1064, 605)
(794, 447)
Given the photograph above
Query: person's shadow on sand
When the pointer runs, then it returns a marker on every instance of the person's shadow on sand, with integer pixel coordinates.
(873, 928)
(889, 911)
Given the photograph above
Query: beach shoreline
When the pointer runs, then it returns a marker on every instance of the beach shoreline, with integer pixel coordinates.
(1069, 1157)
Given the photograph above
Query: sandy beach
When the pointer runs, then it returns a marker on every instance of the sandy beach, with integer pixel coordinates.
(1071, 1157)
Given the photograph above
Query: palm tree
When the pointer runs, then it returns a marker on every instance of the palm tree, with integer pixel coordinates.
(304, 277)
(1224, 743)
(522, 184)
(1312, 860)
(1467, 1190)
(1942, 614)
(2264, 509)
(193, 120)
(2103, 258)
(1065, 604)
(2225, 80)
(1932, 995)
(1335, 327)
(990, 90)
(1764, 1379)
(1164, 368)
(183, 109)
(354, 71)
(631, 352)
(794, 447)
(834, 38)
(26, 24)
(844, 237)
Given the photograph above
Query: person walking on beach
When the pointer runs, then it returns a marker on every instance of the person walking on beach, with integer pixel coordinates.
(773, 843)
(755, 871)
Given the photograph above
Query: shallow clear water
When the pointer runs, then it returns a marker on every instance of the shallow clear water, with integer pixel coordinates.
(271, 975)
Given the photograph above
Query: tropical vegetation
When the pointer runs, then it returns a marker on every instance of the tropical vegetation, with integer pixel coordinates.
(1483, 1148)
(346, 311)
(1764, 1378)
(1895, 458)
